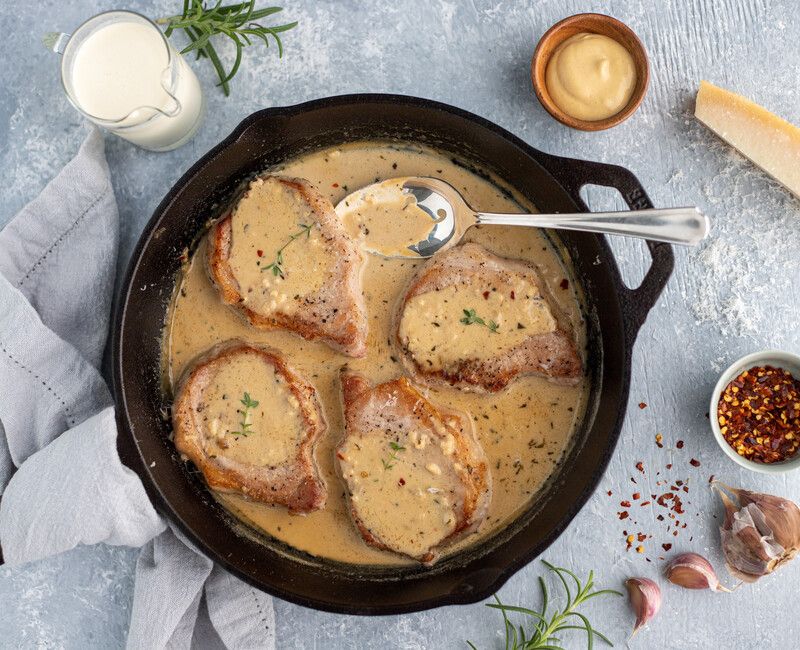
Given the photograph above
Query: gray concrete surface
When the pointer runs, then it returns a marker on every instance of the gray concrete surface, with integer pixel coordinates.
(735, 295)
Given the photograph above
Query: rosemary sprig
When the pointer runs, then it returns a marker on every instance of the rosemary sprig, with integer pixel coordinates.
(471, 318)
(393, 457)
(200, 22)
(244, 426)
(547, 625)
(277, 265)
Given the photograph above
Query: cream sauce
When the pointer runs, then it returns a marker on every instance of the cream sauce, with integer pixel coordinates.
(250, 415)
(524, 429)
(384, 220)
(469, 321)
(417, 515)
(297, 262)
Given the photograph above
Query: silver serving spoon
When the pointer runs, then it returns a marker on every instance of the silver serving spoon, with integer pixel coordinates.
(451, 217)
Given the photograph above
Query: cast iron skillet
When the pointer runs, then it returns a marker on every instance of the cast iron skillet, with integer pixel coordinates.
(267, 137)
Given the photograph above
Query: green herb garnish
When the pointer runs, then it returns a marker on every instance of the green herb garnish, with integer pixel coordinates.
(471, 318)
(237, 21)
(244, 426)
(393, 457)
(277, 266)
(547, 625)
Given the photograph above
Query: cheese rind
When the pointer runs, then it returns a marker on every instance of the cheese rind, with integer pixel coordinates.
(769, 141)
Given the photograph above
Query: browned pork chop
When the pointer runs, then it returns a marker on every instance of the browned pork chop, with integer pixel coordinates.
(284, 260)
(476, 321)
(416, 476)
(250, 423)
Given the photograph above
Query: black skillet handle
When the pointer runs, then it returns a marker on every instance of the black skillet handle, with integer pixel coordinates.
(573, 175)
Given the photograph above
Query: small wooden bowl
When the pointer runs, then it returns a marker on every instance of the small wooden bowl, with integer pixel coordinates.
(594, 24)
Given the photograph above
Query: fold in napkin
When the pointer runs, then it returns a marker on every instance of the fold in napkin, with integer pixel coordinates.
(62, 483)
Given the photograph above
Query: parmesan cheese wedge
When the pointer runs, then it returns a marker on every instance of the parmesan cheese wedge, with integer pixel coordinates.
(769, 141)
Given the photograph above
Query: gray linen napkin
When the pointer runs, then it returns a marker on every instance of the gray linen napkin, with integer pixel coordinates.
(62, 483)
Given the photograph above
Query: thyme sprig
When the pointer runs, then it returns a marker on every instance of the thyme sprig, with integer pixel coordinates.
(201, 22)
(547, 625)
(277, 265)
(393, 457)
(471, 318)
(244, 426)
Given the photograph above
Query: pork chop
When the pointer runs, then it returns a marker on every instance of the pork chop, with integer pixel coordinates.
(250, 424)
(476, 321)
(284, 260)
(416, 476)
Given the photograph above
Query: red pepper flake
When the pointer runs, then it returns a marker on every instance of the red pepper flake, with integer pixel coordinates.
(623, 514)
(625, 504)
(513, 295)
(641, 537)
(636, 496)
(640, 466)
(685, 488)
(260, 253)
(642, 405)
(564, 284)
(644, 503)
(666, 547)
(679, 444)
(711, 479)
(669, 466)
(609, 493)
(694, 462)
(659, 441)
(759, 414)
(402, 481)
(660, 517)
(486, 295)
(335, 185)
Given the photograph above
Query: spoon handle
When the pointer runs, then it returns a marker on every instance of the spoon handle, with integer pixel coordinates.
(687, 226)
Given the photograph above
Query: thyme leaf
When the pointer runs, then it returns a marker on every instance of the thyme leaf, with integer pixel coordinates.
(471, 318)
(244, 426)
(393, 457)
(546, 626)
(201, 21)
(277, 265)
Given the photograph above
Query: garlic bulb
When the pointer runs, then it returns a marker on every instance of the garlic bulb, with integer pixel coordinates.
(645, 598)
(693, 571)
(760, 533)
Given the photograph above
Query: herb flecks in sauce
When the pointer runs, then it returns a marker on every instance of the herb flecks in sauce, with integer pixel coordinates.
(393, 457)
(244, 426)
(471, 318)
(277, 266)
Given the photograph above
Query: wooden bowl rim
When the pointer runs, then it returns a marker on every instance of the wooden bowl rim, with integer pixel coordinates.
(539, 68)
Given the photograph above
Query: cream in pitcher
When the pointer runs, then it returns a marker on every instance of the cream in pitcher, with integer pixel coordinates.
(120, 71)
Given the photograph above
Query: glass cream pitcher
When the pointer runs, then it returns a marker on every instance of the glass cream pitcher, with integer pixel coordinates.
(120, 71)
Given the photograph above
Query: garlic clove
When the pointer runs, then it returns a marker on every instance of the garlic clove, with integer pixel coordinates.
(760, 532)
(693, 571)
(645, 599)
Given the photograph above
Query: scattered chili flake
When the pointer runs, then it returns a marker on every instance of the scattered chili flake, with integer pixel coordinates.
(759, 414)
(669, 466)
(640, 549)
(679, 444)
(659, 440)
(642, 405)
(625, 504)
(609, 493)
(564, 284)
(623, 514)
(335, 185)
(640, 466)
(402, 481)
(660, 517)
(513, 295)
(694, 462)
(641, 537)
(636, 496)
(260, 253)
(486, 295)
(644, 503)
(711, 479)
(666, 547)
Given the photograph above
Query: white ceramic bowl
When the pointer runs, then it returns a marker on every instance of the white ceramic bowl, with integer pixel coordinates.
(777, 359)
